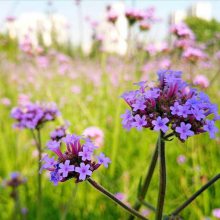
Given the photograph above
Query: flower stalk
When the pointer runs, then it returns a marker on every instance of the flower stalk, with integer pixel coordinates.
(37, 139)
(114, 199)
(162, 181)
(195, 195)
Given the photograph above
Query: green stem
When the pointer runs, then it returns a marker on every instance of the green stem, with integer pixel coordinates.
(148, 205)
(147, 180)
(114, 199)
(37, 139)
(39, 165)
(162, 186)
(17, 208)
(195, 195)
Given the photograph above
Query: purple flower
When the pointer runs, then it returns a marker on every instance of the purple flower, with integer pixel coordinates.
(139, 122)
(184, 130)
(85, 154)
(58, 133)
(194, 54)
(160, 124)
(201, 81)
(66, 168)
(198, 113)
(181, 159)
(184, 111)
(139, 105)
(102, 159)
(48, 163)
(120, 196)
(77, 159)
(55, 147)
(210, 127)
(175, 110)
(83, 171)
(171, 99)
(95, 134)
(34, 115)
(15, 180)
(216, 213)
(127, 119)
(52, 145)
(55, 177)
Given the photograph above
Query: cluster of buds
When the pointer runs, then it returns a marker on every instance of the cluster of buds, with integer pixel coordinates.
(186, 42)
(26, 45)
(58, 133)
(194, 54)
(112, 16)
(173, 105)
(144, 26)
(34, 115)
(14, 181)
(145, 17)
(185, 36)
(133, 16)
(78, 160)
(182, 31)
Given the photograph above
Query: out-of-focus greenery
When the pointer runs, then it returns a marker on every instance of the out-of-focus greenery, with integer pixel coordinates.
(203, 29)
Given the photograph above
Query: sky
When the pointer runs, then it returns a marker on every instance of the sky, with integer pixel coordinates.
(95, 9)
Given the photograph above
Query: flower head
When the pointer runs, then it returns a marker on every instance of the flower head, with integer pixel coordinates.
(76, 162)
(194, 54)
(216, 213)
(139, 122)
(184, 130)
(102, 159)
(65, 168)
(173, 104)
(181, 30)
(34, 115)
(160, 124)
(58, 133)
(211, 128)
(15, 180)
(83, 171)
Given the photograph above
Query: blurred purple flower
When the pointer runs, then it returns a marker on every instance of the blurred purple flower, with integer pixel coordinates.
(181, 159)
(216, 213)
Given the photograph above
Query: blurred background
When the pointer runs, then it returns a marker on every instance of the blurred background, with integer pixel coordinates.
(83, 55)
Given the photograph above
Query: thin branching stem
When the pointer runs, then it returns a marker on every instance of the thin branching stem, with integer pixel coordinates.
(114, 199)
(195, 195)
(148, 205)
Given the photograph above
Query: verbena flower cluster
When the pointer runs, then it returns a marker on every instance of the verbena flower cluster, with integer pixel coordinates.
(15, 180)
(77, 161)
(172, 104)
(194, 54)
(58, 133)
(34, 115)
(146, 16)
(181, 30)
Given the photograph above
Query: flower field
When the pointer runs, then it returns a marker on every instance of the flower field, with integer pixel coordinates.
(68, 123)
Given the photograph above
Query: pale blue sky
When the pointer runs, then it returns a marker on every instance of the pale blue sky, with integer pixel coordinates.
(95, 9)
